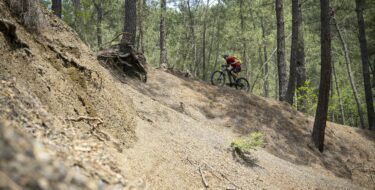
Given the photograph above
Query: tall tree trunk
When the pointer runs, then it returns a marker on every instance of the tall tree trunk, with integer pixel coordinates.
(325, 77)
(250, 70)
(77, 16)
(57, 7)
(294, 51)
(265, 68)
(140, 41)
(338, 94)
(163, 49)
(276, 84)
(351, 77)
(261, 64)
(217, 44)
(244, 46)
(217, 55)
(210, 51)
(281, 66)
(246, 61)
(301, 69)
(204, 41)
(365, 64)
(99, 20)
(266, 82)
(99, 30)
(218, 34)
(130, 26)
(332, 92)
(192, 38)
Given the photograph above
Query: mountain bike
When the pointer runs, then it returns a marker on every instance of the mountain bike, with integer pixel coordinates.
(218, 79)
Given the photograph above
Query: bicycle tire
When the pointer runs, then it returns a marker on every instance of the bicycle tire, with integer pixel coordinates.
(242, 84)
(218, 78)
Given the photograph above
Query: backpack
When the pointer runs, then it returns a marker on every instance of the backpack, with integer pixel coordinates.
(239, 60)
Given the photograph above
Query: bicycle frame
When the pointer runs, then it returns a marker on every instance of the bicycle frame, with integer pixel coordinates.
(218, 78)
(229, 73)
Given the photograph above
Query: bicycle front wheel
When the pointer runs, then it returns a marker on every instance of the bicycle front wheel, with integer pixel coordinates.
(218, 78)
(242, 84)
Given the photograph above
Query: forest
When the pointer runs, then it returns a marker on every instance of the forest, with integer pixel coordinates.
(187, 94)
(192, 35)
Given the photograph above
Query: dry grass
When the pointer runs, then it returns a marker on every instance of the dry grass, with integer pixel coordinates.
(29, 13)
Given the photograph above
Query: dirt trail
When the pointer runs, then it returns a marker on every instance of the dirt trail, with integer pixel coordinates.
(177, 138)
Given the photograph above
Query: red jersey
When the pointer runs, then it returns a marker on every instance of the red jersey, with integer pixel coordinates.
(233, 61)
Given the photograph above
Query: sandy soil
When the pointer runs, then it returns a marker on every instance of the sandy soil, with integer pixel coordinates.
(178, 136)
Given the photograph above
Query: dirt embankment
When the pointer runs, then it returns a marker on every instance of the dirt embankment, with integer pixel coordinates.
(53, 88)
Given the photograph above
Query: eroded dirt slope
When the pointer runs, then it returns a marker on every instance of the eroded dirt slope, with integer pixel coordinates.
(185, 125)
(53, 89)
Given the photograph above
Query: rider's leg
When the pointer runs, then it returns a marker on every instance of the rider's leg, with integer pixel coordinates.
(235, 75)
(231, 77)
(235, 72)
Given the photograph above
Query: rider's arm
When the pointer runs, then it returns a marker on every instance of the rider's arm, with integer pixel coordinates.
(237, 61)
(233, 63)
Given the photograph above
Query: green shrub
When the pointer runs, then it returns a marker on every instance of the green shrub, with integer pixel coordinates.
(307, 98)
(252, 141)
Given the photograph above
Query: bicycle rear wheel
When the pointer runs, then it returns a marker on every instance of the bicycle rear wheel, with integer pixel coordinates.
(218, 78)
(242, 84)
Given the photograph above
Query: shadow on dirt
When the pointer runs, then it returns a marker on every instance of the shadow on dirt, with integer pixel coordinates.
(287, 132)
(244, 158)
(369, 135)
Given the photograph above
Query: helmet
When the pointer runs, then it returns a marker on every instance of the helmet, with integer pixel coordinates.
(225, 56)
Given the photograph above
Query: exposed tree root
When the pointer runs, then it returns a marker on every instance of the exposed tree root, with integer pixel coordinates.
(70, 62)
(9, 31)
(213, 172)
(95, 131)
(132, 64)
(203, 178)
(81, 118)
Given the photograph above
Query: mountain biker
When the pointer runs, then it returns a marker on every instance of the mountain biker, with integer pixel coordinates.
(235, 64)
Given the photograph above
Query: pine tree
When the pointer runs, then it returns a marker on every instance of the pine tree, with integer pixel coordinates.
(365, 64)
(294, 51)
(56, 7)
(281, 50)
(130, 26)
(300, 67)
(325, 77)
(163, 48)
